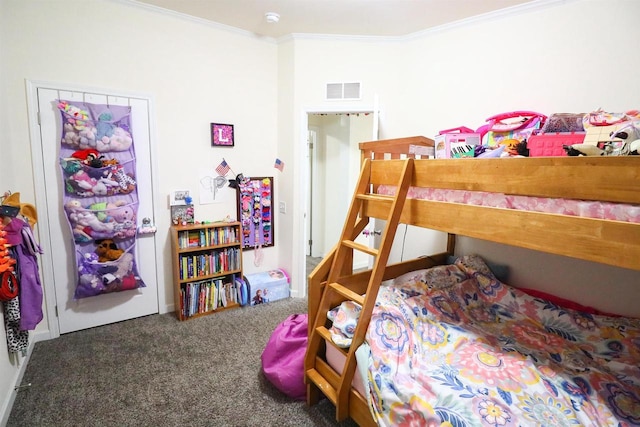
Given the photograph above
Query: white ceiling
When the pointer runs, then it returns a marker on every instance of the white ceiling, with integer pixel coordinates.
(333, 17)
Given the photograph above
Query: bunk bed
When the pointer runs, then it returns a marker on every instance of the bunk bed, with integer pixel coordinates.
(335, 291)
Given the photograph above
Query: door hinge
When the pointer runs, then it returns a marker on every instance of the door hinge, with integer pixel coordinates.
(56, 307)
(39, 121)
(310, 145)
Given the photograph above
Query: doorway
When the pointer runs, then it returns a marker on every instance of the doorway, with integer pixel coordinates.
(333, 169)
(64, 314)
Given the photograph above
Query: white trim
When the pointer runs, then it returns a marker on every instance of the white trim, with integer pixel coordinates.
(37, 167)
(7, 405)
(507, 12)
(534, 5)
(194, 19)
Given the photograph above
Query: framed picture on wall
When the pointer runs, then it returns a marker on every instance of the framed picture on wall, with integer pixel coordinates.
(221, 135)
(255, 211)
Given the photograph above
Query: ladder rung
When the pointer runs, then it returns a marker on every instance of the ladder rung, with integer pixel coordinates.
(360, 247)
(326, 334)
(375, 198)
(347, 293)
(323, 385)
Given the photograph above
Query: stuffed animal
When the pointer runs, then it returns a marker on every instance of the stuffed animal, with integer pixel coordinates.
(125, 182)
(629, 135)
(86, 226)
(120, 141)
(107, 250)
(125, 266)
(104, 127)
(87, 137)
(583, 150)
(74, 115)
(87, 218)
(90, 157)
(74, 213)
(71, 137)
(124, 221)
(91, 283)
(88, 262)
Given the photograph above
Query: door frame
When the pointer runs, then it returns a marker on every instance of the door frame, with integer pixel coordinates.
(301, 244)
(37, 161)
(310, 179)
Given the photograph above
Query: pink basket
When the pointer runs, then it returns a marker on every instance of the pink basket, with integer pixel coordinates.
(550, 144)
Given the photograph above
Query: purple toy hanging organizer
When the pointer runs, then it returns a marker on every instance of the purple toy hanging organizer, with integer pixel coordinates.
(98, 166)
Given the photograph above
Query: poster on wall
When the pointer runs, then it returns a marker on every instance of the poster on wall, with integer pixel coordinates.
(214, 188)
(255, 211)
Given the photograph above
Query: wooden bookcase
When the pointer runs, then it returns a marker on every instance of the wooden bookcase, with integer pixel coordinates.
(207, 259)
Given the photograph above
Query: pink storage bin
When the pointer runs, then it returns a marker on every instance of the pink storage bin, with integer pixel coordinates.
(550, 144)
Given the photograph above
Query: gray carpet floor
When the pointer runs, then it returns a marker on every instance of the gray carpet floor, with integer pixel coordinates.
(158, 371)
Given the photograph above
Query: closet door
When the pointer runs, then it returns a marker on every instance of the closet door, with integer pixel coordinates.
(76, 314)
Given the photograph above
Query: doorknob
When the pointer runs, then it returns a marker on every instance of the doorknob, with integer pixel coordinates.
(147, 226)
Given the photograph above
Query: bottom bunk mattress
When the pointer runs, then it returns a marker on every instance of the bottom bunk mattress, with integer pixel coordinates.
(453, 342)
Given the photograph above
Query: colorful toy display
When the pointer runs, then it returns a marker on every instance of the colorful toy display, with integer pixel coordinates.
(255, 210)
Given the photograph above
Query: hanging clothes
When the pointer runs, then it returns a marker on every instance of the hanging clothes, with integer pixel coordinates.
(24, 250)
(17, 340)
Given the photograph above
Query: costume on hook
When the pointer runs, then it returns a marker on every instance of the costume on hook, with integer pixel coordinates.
(21, 290)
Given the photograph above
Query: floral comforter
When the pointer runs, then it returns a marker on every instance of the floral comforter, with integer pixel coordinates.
(454, 344)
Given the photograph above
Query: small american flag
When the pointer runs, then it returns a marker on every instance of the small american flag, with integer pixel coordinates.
(279, 165)
(223, 168)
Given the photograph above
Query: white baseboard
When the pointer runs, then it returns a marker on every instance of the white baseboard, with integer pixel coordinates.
(7, 405)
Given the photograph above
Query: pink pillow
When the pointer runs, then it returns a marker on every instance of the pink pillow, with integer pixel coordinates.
(565, 303)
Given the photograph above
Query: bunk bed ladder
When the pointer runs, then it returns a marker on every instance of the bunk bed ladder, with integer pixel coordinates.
(319, 376)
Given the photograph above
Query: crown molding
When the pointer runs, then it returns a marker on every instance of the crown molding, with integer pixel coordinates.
(516, 10)
(195, 20)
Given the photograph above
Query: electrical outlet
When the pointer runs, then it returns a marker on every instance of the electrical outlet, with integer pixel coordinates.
(283, 207)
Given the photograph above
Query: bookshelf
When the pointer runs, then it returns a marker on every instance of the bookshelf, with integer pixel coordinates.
(207, 260)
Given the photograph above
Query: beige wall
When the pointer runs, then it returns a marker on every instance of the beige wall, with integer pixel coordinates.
(565, 56)
(552, 57)
(196, 74)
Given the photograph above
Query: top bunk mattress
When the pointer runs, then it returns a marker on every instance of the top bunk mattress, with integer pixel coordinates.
(583, 208)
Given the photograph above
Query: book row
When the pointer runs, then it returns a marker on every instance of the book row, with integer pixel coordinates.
(208, 295)
(207, 237)
(206, 264)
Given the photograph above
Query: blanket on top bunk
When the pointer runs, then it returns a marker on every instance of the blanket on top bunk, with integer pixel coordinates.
(454, 342)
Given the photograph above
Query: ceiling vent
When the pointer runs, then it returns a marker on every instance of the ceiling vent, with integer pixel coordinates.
(344, 91)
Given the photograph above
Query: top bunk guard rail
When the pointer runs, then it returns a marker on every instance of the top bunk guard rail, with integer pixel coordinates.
(395, 148)
(613, 179)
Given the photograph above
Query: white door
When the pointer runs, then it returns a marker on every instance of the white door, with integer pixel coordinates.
(56, 237)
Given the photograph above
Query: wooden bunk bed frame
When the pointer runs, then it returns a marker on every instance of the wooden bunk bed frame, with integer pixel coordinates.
(616, 243)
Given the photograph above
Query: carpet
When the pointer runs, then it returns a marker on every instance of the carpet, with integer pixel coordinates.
(158, 371)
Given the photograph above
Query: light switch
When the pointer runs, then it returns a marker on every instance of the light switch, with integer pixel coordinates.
(283, 207)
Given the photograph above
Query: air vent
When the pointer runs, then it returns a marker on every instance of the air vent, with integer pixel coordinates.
(346, 91)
